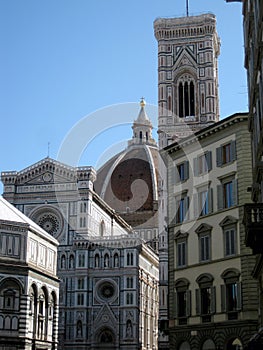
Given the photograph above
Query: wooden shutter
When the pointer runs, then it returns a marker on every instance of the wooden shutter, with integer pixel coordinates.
(186, 207)
(239, 296)
(209, 160)
(223, 298)
(234, 192)
(186, 170)
(188, 303)
(219, 160)
(198, 301)
(210, 200)
(233, 151)
(196, 205)
(213, 300)
(220, 197)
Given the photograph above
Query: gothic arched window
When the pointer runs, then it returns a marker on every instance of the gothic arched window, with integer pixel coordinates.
(186, 94)
(81, 260)
(130, 259)
(42, 327)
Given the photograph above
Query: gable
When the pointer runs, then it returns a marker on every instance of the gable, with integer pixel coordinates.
(105, 317)
(228, 220)
(46, 171)
(185, 58)
(203, 228)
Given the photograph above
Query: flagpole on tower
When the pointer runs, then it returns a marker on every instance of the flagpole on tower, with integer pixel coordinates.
(187, 8)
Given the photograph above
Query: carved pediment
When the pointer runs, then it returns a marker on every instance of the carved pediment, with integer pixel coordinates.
(203, 228)
(228, 220)
(181, 234)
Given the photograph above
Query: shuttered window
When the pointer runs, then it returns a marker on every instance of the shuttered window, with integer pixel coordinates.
(231, 298)
(205, 300)
(182, 172)
(181, 254)
(203, 163)
(205, 245)
(226, 153)
(227, 194)
(183, 303)
(182, 206)
(203, 202)
(230, 241)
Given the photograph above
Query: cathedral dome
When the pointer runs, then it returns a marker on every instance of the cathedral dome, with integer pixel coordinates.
(128, 181)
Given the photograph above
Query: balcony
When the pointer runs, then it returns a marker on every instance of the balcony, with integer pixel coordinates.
(253, 222)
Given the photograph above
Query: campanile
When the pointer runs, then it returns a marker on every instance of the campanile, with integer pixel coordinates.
(188, 50)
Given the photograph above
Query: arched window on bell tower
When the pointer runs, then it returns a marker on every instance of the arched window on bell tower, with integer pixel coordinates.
(186, 97)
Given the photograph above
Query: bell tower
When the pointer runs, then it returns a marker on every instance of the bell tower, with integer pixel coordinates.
(188, 50)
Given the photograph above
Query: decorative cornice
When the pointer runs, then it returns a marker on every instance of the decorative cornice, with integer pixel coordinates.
(49, 165)
(13, 226)
(205, 132)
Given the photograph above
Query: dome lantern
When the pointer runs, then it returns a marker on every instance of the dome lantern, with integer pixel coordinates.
(142, 127)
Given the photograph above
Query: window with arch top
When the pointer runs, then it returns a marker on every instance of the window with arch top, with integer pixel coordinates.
(130, 259)
(186, 97)
(231, 293)
(182, 301)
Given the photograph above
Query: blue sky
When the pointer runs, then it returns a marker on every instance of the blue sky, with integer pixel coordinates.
(62, 60)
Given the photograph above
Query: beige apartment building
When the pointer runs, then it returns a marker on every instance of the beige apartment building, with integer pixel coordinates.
(212, 295)
(253, 30)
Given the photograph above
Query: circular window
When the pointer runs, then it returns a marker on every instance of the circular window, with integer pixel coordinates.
(107, 290)
(49, 219)
(49, 222)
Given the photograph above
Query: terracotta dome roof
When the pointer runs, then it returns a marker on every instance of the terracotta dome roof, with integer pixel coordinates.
(128, 181)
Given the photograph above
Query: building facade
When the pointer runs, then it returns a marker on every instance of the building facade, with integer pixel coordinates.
(29, 286)
(105, 270)
(188, 50)
(253, 31)
(212, 294)
(110, 300)
(133, 183)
